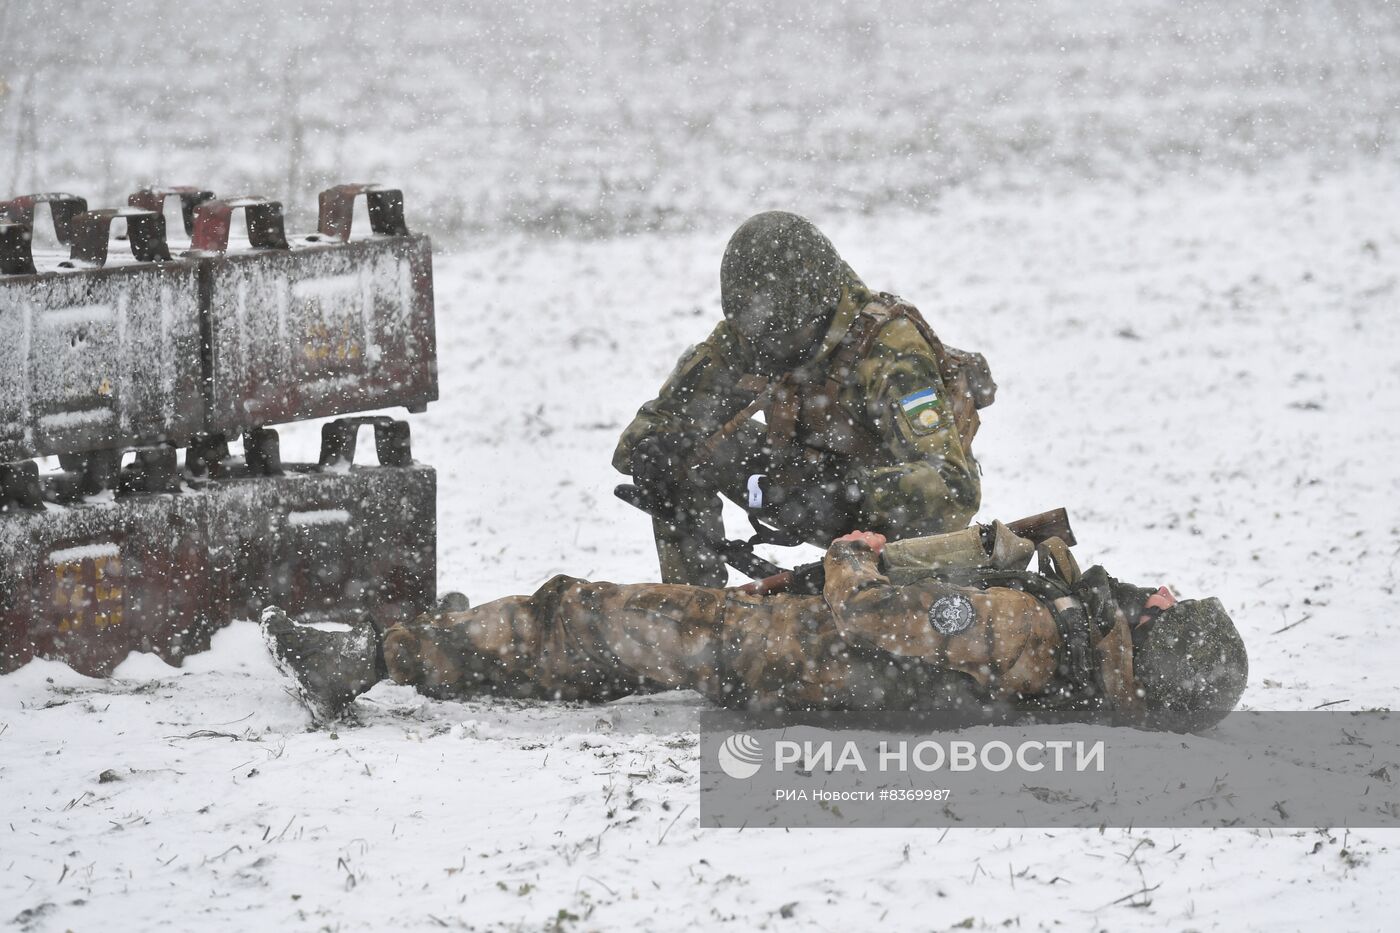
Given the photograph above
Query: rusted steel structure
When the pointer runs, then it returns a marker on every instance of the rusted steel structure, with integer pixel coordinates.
(97, 351)
(357, 314)
(116, 355)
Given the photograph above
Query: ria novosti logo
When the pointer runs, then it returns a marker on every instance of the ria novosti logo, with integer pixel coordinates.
(740, 756)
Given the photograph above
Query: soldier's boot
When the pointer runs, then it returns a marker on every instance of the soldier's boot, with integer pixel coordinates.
(330, 664)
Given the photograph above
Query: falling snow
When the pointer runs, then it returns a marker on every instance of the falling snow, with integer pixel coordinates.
(1171, 228)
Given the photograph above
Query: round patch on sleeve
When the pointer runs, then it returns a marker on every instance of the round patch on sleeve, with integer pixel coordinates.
(951, 614)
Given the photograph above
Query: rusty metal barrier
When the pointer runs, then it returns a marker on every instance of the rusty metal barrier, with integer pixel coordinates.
(156, 572)
(153, 199)
(318, 325)
(111, 351)
(97, 351)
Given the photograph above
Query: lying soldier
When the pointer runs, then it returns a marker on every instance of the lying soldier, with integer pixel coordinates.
(968, 628)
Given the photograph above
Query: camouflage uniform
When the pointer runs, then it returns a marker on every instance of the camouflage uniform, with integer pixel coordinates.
(874, 432)
(864, 644)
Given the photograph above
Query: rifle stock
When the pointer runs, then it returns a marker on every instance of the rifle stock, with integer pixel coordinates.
(1045, 525)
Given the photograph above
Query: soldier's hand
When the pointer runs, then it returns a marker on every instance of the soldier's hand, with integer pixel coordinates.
(659, 466)
(872, 539)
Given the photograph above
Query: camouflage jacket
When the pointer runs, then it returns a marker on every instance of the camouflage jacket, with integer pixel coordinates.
(892, 436)
(1007, 641)
(869, 644)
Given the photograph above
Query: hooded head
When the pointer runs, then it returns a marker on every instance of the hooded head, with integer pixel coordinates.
(780, 282)
(1190, 664)
(1188, 659)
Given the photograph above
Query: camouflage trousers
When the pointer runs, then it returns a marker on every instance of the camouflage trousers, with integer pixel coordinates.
(577, 640)
(571, 639)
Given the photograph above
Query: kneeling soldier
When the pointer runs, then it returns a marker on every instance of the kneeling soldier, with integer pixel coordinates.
(978, 634)
(868, 416)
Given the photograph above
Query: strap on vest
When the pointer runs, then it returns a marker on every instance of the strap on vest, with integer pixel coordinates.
(1054, 559)
(784, 409)
(783, 398)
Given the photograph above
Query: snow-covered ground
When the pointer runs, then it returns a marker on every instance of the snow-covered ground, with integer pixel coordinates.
(1204, 373)
(602, 116)
(1172, 229)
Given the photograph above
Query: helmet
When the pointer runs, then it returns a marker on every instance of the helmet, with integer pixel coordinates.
(1191, 665)
(780, 281)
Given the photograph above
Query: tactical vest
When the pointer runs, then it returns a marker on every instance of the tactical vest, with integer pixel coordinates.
(1056, 587)
(804, 408)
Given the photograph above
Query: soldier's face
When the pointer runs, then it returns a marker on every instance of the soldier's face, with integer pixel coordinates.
(781, 302)
(780, 326)
(763, 311)
(1158, 603)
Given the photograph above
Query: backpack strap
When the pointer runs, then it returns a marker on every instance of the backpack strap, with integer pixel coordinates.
(860, 337)
(1054, 559)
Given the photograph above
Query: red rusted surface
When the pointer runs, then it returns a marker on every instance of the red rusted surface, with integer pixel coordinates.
(153, 199)
(213, 219)
(161, 573)
(92, 232)
(119, 348)
(384, 206)
(62, 207)
(315, 326)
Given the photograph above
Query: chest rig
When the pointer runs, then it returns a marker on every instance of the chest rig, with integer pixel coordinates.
(1080, 619)
(807, 418)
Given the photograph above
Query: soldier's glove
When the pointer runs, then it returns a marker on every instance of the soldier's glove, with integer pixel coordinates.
(808, 501)
(661, 469)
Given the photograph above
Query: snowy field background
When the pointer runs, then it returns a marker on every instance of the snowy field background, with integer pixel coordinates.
(1173, 231)
(603, 116)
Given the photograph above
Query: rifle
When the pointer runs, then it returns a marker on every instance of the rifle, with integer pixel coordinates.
(808, 579)
(737, 554)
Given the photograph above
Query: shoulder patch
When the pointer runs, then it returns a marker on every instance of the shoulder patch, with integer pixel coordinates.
(914, 401)
(951, 614)
(922, 410)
